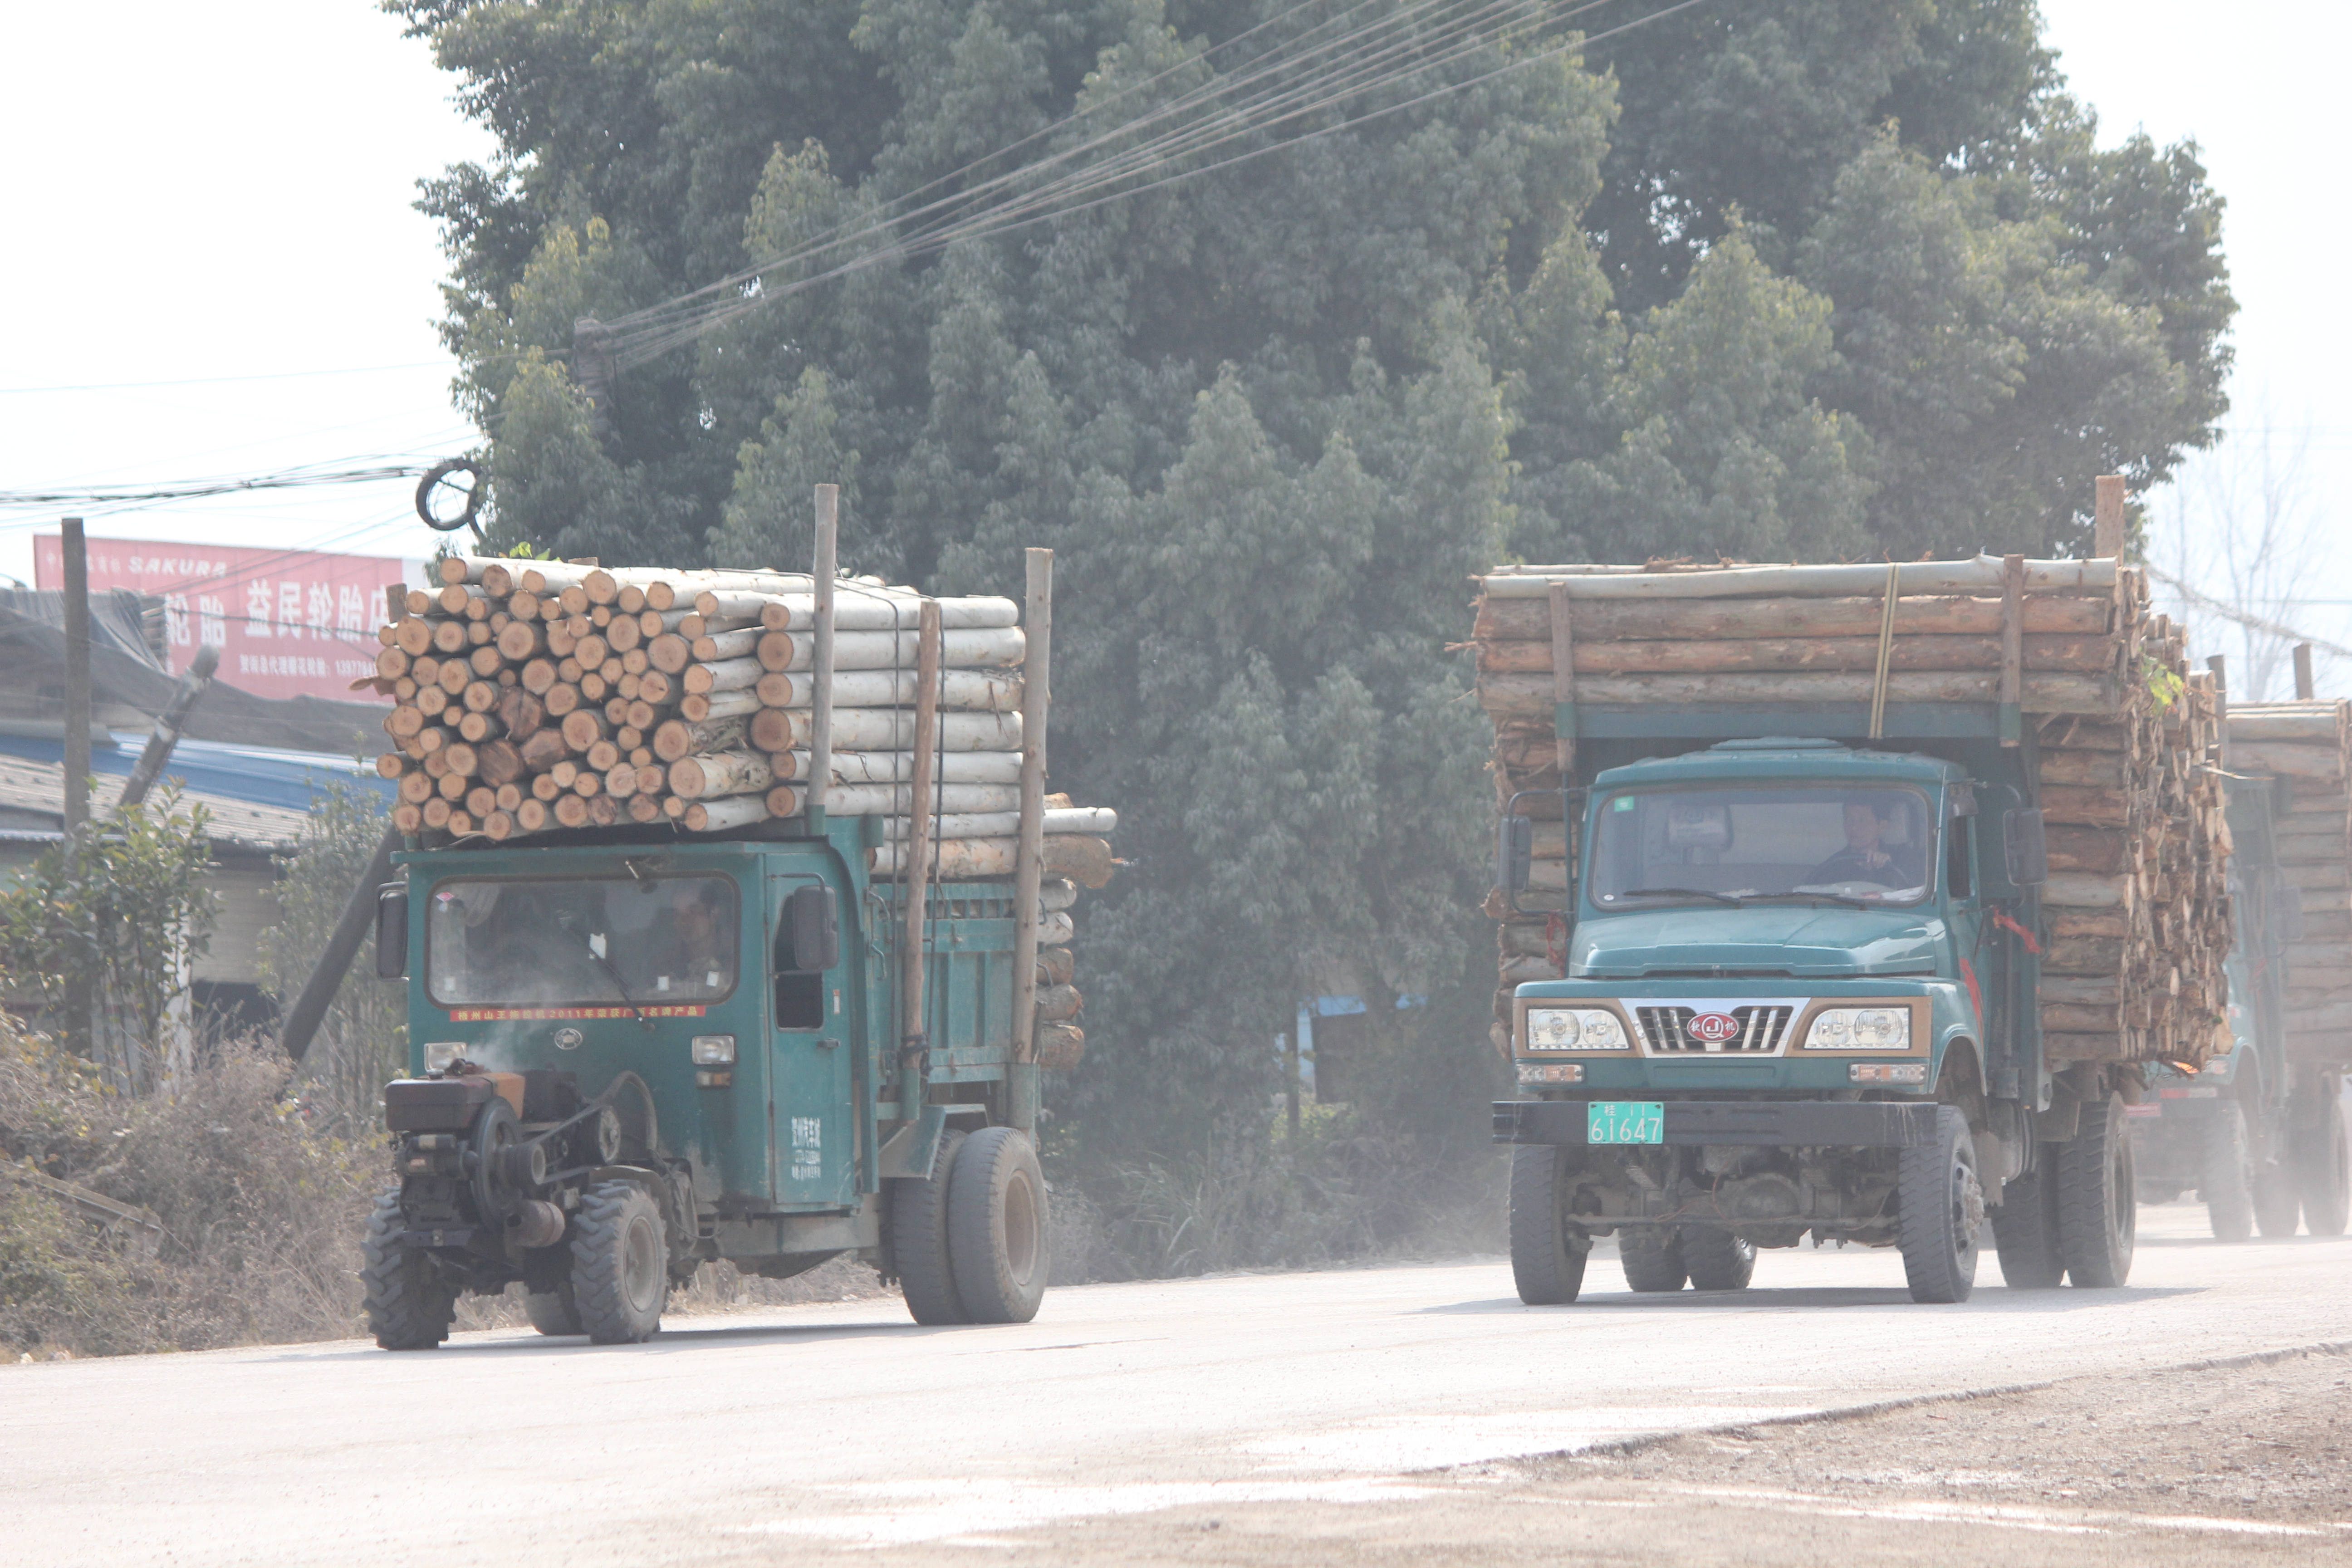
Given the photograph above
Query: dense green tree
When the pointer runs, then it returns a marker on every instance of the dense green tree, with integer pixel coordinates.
(1792, 278)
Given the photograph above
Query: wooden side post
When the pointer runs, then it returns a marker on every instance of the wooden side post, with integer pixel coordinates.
(2107, 524)
(828, 522)
(1563, 684)
(77, 564)
(2304, 689)
(2012, 649)
(913, 1038)
(1029, 855)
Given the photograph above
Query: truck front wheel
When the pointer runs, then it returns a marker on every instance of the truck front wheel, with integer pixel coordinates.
(2228, 1184)
(2323, 1176)
(409, 1306)
(620, 1264)
(2097, 1222)
(1717, 1260)
(1547, 1253)
(1940, 1211)
(996, 1228)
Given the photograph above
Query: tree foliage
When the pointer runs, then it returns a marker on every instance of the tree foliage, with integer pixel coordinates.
(1796, 278)
(362, 1041)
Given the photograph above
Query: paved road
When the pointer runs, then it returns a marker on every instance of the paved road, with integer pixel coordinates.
(758, 1438)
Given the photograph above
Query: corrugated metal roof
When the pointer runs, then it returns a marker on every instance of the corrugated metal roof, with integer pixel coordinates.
(262, 775)
(32, 785)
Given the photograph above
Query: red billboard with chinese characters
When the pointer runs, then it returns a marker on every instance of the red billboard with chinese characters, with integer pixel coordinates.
(289, 623)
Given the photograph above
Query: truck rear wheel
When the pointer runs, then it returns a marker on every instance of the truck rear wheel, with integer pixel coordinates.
(2228, 1181)
(2278, 1206)
(1940, 1211)
(1547, 1253)
(1653, 1257)
(620, 1264)
(2025, 1229)
(1717, 1260)
(2322, 1174)
(2097, 1220)
(409, 1306)
(996, 1227)
(919, 1239)
(554, 1312)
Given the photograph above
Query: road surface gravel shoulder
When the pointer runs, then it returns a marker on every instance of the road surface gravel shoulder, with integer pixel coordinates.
(2220, 1464)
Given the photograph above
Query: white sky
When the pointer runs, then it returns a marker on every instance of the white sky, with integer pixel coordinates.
(207, 192)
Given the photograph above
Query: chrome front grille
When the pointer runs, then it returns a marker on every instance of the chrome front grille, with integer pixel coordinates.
(1761, 1029)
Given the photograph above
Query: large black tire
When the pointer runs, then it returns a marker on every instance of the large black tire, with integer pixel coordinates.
(1717, 1260)
(2227, 1184)
(1940, 1211)
(409, 1305)
(2025, 1229)
(2098, 1221)
(996, 1227)
(2278, 1206)
(1547, 1252)
(919, 1239)
(2323, 1174)
(554, 1312)
(620, 1264)
(1653, 1257)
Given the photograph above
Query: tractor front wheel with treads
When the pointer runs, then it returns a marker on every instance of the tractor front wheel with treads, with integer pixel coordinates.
(619, 1263)
(919, 1239)
(2098, 1221)
(409, 1305)
(1548, 1251)
(996, 1227)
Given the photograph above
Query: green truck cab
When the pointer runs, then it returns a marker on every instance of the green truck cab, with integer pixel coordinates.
(632, 1052)
(1800, 998)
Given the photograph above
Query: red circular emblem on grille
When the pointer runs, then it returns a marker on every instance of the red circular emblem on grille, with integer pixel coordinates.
(1713, 1026)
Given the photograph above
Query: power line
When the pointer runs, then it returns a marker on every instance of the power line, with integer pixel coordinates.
(218, 380)
(2246, 618)
(292, 478)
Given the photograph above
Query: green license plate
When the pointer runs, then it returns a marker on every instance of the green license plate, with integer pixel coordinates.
(1624, 1121)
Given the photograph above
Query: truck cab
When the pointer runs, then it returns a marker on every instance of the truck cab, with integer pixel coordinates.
(633, 1053)
(1800, 998)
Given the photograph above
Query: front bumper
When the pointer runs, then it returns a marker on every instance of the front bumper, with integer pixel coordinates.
(1752, 1124)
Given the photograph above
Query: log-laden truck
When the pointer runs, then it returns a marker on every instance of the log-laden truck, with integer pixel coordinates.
(737, 992)
(1848, 903)
(2258, 1132)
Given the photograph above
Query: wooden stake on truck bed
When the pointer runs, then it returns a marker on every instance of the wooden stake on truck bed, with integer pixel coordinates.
(913, 1040)
(828, 518)
(1029, 859)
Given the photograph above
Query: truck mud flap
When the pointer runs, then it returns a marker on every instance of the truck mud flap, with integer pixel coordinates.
(1845, 1124)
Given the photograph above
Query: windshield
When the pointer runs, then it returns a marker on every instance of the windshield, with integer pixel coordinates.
(1868, 844)
(645, 941)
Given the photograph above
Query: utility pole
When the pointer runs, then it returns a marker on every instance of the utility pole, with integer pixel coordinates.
(77, 678)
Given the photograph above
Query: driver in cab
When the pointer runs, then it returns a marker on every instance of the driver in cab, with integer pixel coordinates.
(1867, 858)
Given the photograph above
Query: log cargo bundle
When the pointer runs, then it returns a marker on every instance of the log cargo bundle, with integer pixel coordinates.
(2308, 745)
(534, 697)
(2136, 914)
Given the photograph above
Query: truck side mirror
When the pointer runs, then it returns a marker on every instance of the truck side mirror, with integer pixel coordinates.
(392, 933)
(813, 925)
(1514, 851)
(2027, 847)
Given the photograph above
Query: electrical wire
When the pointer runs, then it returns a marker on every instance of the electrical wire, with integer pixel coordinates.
(659, 329)
(2246, 618)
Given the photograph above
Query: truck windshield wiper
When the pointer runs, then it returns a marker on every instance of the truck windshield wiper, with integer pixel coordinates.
(1845, 899)
(1683, 893)
(563, 923)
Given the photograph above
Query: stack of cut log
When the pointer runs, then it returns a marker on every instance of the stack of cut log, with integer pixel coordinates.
(2309, 745)
(537, 696)
(2136, 911)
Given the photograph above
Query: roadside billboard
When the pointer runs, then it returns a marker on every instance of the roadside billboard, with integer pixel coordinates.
(289, 623)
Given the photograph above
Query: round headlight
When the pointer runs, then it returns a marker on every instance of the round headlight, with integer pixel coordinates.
(1551, 1028)
(1830, 1030)
(1874, 1026)
(1602, 1032)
